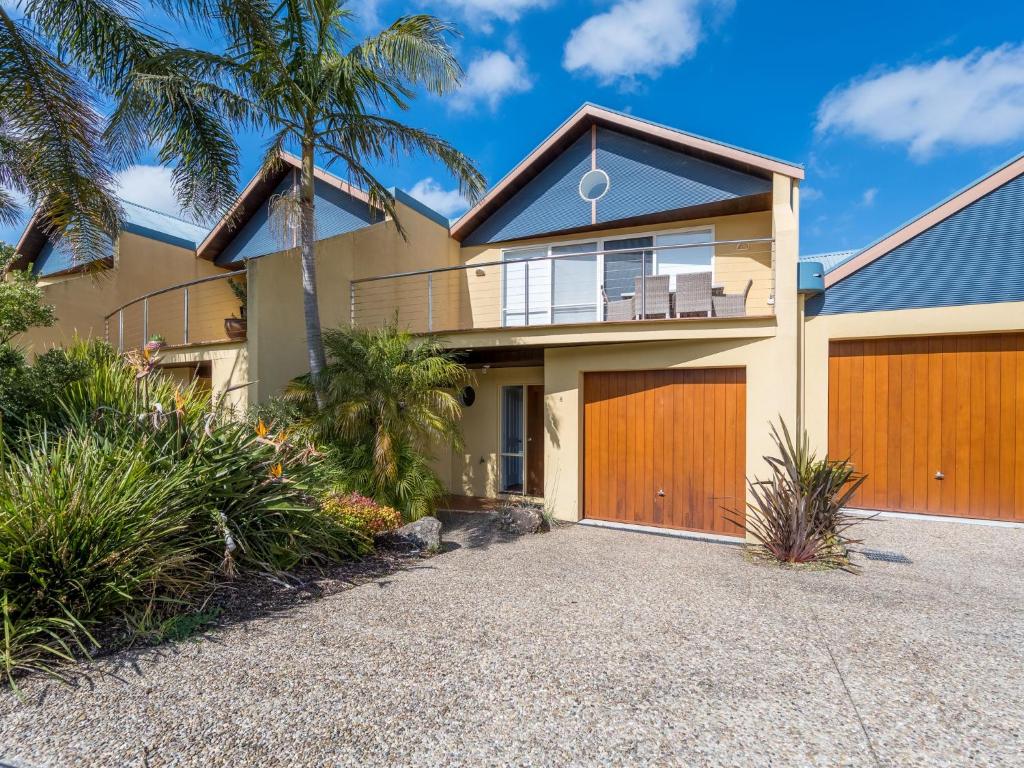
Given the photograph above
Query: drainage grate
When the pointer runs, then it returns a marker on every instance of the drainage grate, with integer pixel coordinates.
(887, 557)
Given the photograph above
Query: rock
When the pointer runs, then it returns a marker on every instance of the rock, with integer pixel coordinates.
(425, 533)
(522, 518)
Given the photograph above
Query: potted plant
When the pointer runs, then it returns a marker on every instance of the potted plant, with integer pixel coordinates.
(156, 343)
(236, 327)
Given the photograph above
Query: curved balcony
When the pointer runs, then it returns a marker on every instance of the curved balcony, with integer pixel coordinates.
(183, 315)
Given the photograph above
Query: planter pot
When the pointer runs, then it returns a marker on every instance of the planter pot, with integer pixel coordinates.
(235, 328)
(155, 346)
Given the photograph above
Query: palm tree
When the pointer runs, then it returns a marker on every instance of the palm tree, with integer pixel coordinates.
(387, 399)
(59, 62)
(292, 67)
(386, 388)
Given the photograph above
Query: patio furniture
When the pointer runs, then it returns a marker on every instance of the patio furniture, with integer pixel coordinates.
(617, 309)
(693, 294)
(731, 304)
(652, 296)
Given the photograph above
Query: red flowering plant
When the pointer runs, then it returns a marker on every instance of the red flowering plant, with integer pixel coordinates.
(361, 513)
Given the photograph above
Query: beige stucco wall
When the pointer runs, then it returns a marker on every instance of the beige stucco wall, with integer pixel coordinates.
(819, 330)
(479, 290)
(141, 265)
(277, 337)
(229, 364)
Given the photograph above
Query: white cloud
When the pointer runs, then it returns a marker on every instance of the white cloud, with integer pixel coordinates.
(367, 13)
(151, 186)
(481, 12)
(973, 101)
(490, 78)
(868, 198)
(638, 37)
(447, 202)
(810, 194)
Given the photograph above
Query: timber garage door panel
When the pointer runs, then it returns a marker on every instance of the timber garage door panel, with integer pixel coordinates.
(937, 423)
(666, 448)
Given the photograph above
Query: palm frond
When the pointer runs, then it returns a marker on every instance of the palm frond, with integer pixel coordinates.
(61, 161)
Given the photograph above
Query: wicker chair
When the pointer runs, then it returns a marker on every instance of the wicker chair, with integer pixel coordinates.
(693, 294)
(617, 310)
(656, 299)
(731, 304)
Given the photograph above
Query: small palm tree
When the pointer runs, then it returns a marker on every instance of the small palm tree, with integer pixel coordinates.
(293, 68)
(386, 391)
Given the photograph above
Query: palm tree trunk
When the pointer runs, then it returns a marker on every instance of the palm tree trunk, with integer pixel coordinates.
(311, 308)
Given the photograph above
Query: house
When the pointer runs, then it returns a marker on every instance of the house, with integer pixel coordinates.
(632, 302)
(914, 357)
(153, 250)
(539, 286)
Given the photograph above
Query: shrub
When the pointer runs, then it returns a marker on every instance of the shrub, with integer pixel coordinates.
(29, 394)
(799, 514)
(90, 529)
(133, 498)
(361, 513)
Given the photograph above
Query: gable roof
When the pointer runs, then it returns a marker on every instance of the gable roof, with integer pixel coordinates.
(137, 220)
(256, 193)
(930, 218)
(593, 115)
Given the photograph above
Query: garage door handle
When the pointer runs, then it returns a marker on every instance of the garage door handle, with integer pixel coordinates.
(661, 492)
(940, 476)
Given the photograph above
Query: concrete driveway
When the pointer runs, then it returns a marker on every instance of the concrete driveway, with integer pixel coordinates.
(583, 647)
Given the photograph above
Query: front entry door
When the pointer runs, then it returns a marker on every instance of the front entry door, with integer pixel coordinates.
(535, 440)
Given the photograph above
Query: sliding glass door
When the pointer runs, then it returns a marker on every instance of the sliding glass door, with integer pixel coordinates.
(631, 259)
(526, 287)
(575, 294)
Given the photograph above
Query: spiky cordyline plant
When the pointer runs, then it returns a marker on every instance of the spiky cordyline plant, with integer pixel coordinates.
(294, 67)
(798, 516)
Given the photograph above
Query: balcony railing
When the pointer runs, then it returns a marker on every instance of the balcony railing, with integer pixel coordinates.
(572, 284)
(182, 314)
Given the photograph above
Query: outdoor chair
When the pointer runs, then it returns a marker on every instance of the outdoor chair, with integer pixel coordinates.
(693, 294)
(619, 309)
(731, 304)
(655, 300)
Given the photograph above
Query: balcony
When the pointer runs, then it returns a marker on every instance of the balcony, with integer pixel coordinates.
(628, 283)
(186, 314)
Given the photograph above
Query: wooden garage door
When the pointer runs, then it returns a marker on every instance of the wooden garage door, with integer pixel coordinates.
(937, 423)
(666, 448)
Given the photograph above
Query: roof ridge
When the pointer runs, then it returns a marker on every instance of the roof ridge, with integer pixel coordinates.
(692, 134)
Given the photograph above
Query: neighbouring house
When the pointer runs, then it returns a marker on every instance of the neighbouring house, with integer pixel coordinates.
(914, 357)
(633, 304)
(152, 251)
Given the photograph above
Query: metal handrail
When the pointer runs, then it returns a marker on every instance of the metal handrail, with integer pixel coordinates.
(576, 255)
(178, 286)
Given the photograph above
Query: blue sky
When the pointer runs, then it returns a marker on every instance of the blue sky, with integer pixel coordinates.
(890, 106)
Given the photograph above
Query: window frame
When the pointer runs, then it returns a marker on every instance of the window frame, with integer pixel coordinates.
(600, 241)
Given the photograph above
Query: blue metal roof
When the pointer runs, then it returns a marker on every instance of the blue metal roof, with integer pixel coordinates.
(973, 256)
(336, 213)
(693, 135)
(140, 220)
(54, 259)
(643, 178)
(832, 259)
